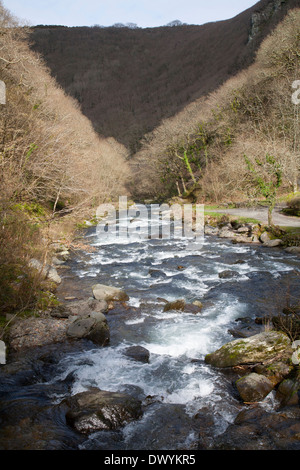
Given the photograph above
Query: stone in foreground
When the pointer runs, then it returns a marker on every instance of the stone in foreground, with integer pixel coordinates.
(93, 326)
(98, 410)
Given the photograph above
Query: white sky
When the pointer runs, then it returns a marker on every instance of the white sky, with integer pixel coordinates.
(145, 13)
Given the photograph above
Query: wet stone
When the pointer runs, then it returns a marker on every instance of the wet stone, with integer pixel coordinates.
(96, 410)
(138, 353)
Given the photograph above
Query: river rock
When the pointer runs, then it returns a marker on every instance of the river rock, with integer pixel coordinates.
(32, 332)
(98, 410)
(225, 232)
(228, 274)
(254, 387)
(265, 237)
(288, 392)
(293, 249)
(258, 348)
(256, 428)
(83, 307)
(79, 308)
(108, 293)
(182, 306)
(275, 372)
(46, 270)
(273, 243)
(138, 353)
(157, 274)
(244, 229)
(209, 230)
(242, 239)
(175, 305)
(92, 326)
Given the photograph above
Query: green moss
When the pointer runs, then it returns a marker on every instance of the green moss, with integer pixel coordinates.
(32, 209)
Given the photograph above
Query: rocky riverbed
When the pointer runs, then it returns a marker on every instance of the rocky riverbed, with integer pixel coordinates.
(177, 351)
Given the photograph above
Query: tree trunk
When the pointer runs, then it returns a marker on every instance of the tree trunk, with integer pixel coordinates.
(183, 184)
(188, 166)
(270, 215)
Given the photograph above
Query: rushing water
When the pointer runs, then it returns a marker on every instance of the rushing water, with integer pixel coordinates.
(184, 395)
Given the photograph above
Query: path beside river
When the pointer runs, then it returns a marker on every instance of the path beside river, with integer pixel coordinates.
(261, 214)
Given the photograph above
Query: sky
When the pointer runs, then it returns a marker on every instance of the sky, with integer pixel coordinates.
(144, 13)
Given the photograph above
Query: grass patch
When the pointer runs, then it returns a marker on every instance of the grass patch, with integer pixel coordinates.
(241, 220)
(218, 215)
(291, 230)
(247, 220)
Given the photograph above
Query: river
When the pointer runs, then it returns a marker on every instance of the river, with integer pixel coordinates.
(182, 395)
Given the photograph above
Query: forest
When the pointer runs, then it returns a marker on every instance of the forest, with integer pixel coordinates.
(52, 163)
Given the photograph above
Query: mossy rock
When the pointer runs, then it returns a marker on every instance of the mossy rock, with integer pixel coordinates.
(252, 350)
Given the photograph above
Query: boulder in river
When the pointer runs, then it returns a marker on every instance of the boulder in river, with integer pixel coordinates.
(228, 274)
(109, 293)
(175, 305)
(255, 349)
(138, 353)
(92, 326)
(98, 410)
(273, 243)
(182, 306)
(254, 387)
(293, 249)
(288, 392)
(83, 307)
(256, 428)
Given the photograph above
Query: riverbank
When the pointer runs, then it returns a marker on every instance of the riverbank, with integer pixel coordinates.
(261, 214)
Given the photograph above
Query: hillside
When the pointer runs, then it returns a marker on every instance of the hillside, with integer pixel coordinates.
(237, 144)
(52, 164)
(128, 80)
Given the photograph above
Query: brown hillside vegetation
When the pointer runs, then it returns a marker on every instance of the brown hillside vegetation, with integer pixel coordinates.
(128, 80)
(251, 117)
(51, 160)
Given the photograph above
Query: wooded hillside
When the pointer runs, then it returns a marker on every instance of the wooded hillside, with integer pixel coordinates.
(128, 80)
(241, 138)
(52, 162)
